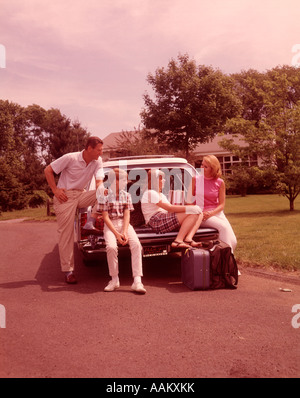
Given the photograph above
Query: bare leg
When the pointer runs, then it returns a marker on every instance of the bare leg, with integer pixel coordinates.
(189, 225)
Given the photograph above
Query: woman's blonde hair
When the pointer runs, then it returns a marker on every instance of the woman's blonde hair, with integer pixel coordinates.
(214, 164)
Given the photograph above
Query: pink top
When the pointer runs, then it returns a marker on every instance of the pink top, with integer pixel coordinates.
(211, 188)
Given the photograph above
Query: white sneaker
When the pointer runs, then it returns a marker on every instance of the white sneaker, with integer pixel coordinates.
(89, 225)
(112, 286)
(138, 287)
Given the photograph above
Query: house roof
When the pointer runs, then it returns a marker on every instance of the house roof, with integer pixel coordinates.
(110, 141)
(212, 147)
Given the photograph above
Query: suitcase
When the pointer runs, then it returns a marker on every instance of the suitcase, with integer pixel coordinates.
(195, 269)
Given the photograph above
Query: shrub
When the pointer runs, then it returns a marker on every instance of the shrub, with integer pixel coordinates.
(38, 198)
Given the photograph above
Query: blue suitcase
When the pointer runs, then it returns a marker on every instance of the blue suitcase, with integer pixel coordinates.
(195, 269)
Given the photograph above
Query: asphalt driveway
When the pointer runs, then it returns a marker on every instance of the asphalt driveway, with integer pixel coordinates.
(58, 330)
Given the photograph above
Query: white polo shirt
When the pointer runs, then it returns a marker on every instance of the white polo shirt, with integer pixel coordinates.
(75, 173)
(149, 202)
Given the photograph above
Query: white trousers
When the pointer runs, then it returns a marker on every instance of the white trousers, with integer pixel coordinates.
(221, 223)
(112, 249)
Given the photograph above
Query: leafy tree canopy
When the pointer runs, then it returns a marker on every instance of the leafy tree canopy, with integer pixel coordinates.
(30, 138)
(270, 124)
(191, 103)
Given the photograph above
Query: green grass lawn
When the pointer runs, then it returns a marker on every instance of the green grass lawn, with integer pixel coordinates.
(267, 232)
(37, 214)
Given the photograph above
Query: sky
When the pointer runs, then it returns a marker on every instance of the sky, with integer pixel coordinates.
(91, 58)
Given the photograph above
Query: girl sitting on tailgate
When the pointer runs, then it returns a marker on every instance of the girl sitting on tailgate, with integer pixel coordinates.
(164, 217)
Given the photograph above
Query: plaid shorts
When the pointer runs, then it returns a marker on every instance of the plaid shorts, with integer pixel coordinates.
(164, 222)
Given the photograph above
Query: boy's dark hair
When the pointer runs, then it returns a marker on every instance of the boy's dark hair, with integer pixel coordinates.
(93, 142)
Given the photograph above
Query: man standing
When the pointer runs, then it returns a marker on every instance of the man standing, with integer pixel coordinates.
(77, 169)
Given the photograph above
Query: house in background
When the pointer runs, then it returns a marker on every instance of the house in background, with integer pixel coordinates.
(112, 148)
(226, 158)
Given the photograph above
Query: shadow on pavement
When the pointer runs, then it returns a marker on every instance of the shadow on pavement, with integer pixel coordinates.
(51, 279)
(161, 272)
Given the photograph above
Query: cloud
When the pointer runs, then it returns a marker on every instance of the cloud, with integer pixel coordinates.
(90, 58)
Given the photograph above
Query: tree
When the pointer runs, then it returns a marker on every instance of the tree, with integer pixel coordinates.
(50, 134)
(12, 191)
(249, 87)
(63, 135)
(191, 104)
(274, 132)
(244, 179)
(287, 156)
(30, 138)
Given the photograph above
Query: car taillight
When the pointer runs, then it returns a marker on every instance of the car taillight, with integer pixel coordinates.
(99, 223)
(83, 219)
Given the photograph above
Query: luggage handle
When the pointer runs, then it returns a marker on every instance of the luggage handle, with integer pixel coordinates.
(187, 252)
(210, 245)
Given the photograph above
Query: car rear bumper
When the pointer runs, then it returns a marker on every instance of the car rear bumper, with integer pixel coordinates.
(152, 243)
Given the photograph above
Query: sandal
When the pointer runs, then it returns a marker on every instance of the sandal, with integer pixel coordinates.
(192, 243)
(180, 245)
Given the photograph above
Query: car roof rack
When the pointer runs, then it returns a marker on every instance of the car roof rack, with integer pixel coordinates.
(140, 157)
